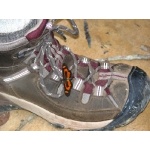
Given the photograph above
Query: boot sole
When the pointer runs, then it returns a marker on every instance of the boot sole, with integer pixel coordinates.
(53, 118)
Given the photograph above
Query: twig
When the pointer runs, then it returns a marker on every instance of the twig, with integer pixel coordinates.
(129, 57)
(24, 122)
(87, 34)
(145, 48)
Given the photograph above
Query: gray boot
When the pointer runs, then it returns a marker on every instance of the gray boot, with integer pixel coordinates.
(66, 89)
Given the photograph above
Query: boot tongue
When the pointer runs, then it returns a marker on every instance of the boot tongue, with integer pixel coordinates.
(82, 69)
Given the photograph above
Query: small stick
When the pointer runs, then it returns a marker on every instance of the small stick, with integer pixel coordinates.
(145, 48)
(87, 34)
(129, 57)
(24, 122)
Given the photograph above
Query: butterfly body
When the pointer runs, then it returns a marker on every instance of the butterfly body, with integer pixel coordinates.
(67, 77)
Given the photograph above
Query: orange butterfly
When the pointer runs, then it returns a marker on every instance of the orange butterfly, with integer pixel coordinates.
(67, 80)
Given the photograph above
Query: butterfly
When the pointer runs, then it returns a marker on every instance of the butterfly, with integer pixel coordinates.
(67, 77)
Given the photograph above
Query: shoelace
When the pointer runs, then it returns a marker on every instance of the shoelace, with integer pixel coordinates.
(53, 54)
(54, 57)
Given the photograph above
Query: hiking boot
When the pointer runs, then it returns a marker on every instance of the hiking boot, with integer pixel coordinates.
(73, 91)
